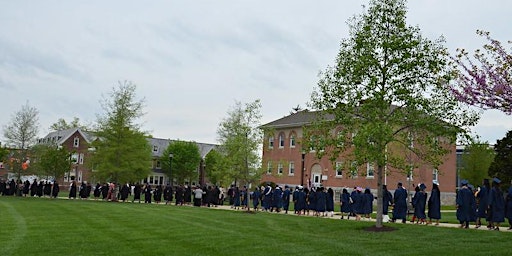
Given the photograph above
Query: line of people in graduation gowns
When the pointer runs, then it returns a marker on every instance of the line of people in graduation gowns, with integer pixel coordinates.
(485, 202)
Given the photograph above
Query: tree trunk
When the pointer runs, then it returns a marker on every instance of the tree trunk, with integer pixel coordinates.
(380, 171)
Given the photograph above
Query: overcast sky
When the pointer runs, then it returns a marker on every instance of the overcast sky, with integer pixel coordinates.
(191, 60)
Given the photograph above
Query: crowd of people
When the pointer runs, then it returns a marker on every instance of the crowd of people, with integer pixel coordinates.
(473, 204)
(484, 203)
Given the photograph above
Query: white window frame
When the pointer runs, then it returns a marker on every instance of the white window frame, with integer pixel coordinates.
(269, 167)
(292, 141)
(271, 142)
(281, 140)
(354, 170)
(291, 168)
(280, 168)
(81, 158)
(76, 142)
(338, 169)
(370, 166)
(435, 175)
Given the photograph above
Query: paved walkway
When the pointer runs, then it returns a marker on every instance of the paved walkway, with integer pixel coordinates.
(338, 217)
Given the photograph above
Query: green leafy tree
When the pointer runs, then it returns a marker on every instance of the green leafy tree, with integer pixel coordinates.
(216, 169)
(50, 161)
(4, 152)
(61, 124)
(239, 138)
(122, 153)
(476, 160)
(388, 93)
(501, 167)
(185, 161)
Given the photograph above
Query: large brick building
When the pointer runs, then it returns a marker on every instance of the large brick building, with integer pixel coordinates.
(288, 163)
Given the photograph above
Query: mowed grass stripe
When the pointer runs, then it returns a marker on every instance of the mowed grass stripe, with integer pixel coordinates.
(74, 227)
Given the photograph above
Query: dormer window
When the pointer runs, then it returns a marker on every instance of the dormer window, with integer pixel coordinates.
(155, 148)
(76, 142)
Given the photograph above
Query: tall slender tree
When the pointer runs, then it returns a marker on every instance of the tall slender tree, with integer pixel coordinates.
(122, 153)
(387, 91)
(21, 134)
(239, 138)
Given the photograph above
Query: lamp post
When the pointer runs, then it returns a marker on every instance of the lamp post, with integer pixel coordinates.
(302, 169)
(170, 169)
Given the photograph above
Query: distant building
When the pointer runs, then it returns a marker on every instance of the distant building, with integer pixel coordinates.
(78, 143)
(287, 162)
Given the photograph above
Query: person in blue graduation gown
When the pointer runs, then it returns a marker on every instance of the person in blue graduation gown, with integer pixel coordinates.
(358, 203)
(508, 209)
(300, 205)
(320, 201)
(420, 200)
(496, 205)
(400, 203)
(329, 202)
(346, 207)
(368, 203)
(256, 198)
(267, 197)
(434, 204)
(277, 199)
(464, 201)
(286, 198)
(482, 196)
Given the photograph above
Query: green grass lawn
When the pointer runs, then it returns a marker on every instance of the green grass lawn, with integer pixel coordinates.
(38, 226)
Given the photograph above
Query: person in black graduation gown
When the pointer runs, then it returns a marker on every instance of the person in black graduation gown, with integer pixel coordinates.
(26, 188)
(55, 189)
(104, 191)
(125, 191)
(147, 193)
(286, 198)
(168, 193)
(72, 190)
(179, 195)
(83, 191)
(157, 194)
(137, 190)
(187, 194)
(434, 204)
(496, 205)
(97, 191)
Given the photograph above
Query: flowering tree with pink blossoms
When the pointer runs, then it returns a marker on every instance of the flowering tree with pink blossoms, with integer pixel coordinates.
(485, 80)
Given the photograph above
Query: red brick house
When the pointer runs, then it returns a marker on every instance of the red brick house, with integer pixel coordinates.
(288, 163)
(78, 143)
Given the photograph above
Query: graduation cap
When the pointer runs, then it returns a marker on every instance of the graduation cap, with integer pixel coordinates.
(422, 186)
(463, 182)
(435, 182)
(496, 180)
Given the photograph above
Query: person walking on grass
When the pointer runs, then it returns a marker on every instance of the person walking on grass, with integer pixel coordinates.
(420, 200)
(482, 196)
(345, 206)
(198, 196)
(286, 198)
(464, 201)
(508, 209)
(496, 205)
(329, 202)
(434, 204)
(387, 200)
(256, 198)
(400, 203)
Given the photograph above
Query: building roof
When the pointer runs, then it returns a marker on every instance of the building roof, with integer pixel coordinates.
(297, 119)
(59, 137)
(162, 144)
